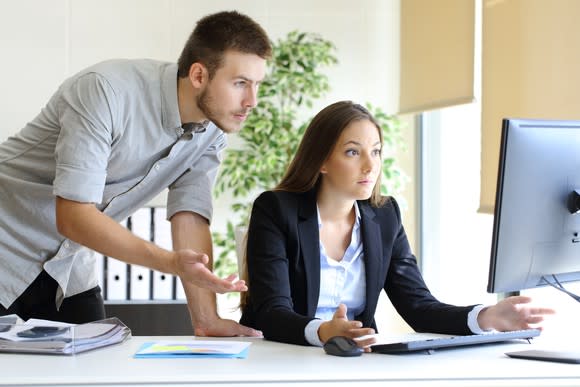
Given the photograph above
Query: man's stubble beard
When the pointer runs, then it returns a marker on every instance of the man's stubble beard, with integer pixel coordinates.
(205, 103)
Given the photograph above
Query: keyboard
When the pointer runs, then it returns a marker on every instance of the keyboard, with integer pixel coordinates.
(453, 341)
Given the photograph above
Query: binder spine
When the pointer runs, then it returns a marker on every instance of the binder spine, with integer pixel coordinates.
(121, 281)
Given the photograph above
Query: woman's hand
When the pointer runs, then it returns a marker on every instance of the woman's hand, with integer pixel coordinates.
(341, 326)
(511, 315)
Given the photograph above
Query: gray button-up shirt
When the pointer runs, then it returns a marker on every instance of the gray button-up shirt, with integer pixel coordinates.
(110, 135)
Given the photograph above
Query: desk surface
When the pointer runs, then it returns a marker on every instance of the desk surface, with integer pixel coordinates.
(270, 363)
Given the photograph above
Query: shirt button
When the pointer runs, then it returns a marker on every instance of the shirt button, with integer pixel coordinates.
(65, 244)
(156, 167)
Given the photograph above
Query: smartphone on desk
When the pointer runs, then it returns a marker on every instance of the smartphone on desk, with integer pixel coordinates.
(41, 332)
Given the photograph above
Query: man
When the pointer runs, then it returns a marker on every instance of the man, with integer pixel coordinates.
(109, 140)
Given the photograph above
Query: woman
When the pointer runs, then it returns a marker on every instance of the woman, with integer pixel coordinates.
(324, 243)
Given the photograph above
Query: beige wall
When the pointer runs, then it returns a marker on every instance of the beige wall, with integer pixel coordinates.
(42, 42)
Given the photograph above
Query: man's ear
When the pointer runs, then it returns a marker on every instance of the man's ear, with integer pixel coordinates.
(198, 75)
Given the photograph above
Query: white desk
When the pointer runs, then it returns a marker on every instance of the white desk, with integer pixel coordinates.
(288, 365)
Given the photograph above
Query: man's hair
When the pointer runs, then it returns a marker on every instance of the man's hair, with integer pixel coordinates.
(217, 33)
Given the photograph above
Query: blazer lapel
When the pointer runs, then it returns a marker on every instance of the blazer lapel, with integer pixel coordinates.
(310, 247)
(373, 251)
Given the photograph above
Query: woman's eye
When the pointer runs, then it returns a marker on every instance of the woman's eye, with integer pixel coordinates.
(377, 152)
(351, 152)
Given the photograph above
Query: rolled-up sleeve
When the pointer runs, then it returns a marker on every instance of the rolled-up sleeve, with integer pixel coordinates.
(193, 190)
(84, 144)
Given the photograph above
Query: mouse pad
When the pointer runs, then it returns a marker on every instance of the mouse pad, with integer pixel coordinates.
(557, 356)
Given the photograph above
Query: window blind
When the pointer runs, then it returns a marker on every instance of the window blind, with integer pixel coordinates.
(530, 69)
(437, 51)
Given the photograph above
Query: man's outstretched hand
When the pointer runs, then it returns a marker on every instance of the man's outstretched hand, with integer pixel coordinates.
(191, 267)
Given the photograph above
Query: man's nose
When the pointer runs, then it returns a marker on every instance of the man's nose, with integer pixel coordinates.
(251, 99)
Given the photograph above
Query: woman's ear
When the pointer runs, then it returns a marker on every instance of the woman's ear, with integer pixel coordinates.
(323, 169)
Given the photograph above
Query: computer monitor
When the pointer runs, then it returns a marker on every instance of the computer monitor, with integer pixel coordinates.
(536, 230)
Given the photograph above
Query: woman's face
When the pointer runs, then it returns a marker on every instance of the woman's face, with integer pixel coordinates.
(354, 165)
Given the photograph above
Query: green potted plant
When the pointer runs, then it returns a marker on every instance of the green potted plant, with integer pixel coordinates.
(273, 131)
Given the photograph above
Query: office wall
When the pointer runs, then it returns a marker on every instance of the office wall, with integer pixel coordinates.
(44, 41)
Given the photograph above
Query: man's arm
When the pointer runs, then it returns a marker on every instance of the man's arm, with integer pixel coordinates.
(191, 231)
(86, 225)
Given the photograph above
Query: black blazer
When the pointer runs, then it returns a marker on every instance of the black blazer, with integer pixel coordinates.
(283, 258)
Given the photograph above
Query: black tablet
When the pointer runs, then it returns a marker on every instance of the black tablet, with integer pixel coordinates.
(557, 356)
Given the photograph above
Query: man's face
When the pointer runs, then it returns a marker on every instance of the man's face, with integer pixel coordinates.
(231, 94)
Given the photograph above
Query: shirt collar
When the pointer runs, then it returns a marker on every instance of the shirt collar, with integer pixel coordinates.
(356, 218)
(171, 119)
(170, 107)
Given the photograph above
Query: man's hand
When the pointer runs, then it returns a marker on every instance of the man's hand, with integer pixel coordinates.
(341, 326)
(225, 328)
(191, 267)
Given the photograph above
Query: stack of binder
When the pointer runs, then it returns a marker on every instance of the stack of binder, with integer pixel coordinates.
(128, 282)
(52, 337)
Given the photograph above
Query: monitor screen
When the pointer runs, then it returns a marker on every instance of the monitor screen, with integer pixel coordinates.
(536, 237)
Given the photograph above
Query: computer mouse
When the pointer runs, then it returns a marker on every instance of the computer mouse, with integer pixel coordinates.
(342, 346)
